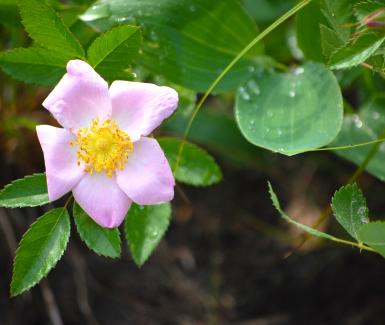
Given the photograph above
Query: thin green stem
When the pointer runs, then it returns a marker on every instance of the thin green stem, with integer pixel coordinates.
(350, 146)
(257, 39)
(350, 243)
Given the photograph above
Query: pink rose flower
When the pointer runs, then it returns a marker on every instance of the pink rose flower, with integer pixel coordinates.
(103, 153)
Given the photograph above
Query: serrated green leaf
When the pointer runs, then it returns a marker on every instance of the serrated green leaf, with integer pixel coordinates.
(113, 51)
(330, 40)
(144, 228)
(357, 52)
(29, 191)
(367, 126)
(34, 65)
(365, 8)
(47, 29)
(349, 208)
(40, 249)
(373, 234)
(339, 15)
(289, 112)
(101, 240)
(196, 167)
(301, 226)
(187, 41)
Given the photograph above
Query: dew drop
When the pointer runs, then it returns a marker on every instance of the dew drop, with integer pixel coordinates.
(298, 71)
(376, 115)
(357, 122)
(153, 234)
(96, 12)
(244, 94)
(292, 93)
(253, 87)
(153, 36)
(362, 212)
(251, 69)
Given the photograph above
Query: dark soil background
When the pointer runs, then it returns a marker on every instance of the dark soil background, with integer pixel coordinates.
(226, 259)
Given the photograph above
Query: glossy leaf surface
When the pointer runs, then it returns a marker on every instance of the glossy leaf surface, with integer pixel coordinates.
(102, 241)
(40, 249)
(292, 112)
(349, 208)
(144, 228)
(29, 191)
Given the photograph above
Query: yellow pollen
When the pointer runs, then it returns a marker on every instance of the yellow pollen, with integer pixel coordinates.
(103, 147)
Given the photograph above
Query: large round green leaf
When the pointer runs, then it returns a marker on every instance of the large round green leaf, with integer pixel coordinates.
(292, 112)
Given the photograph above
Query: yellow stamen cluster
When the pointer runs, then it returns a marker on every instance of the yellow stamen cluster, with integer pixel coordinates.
(103, 147)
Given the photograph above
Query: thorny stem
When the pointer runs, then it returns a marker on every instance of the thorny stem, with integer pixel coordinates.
(259, 37)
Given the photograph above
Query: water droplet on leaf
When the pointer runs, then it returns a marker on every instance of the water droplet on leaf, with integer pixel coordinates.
(97, 12)
(244, 94)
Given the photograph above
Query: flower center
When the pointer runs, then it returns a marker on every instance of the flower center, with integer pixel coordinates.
(103, 147)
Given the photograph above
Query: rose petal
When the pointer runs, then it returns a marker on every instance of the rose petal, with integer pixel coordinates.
(62, 170)
(147, 177)
(102, 199)
(80, 96)
(139, 108)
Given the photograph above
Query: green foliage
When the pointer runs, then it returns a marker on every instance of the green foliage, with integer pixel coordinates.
(9, 13)
(331, 42)
(264, 11)
(223, 136)
(196, 167)
(101, 240)
(289, 113)
(113, 51)
(47, 29)
(349, 208)
(339, 15)
(29, 191)
(40, 249)
(373, 234)
(187, 41)
(308, 31)
(144, 228)
(34, 65)
(364, 9)
(360, 128)
(358, 51)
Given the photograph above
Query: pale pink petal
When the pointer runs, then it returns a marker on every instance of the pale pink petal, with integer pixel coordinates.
(62, 170)
(102, 199)
(80, 96)
(147, 177)
(139, 108)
